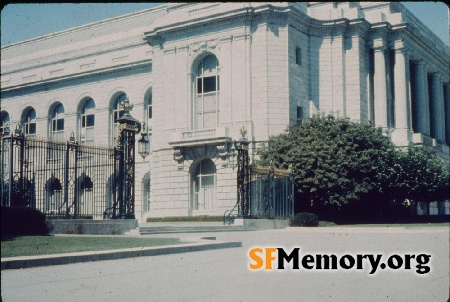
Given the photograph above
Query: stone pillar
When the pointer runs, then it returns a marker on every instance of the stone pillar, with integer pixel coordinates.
(380, 96)
(338, 74)
(437, 95)
(423, 107)
(401, 96)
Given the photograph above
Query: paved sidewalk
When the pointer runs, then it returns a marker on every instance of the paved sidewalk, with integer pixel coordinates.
(224, 274)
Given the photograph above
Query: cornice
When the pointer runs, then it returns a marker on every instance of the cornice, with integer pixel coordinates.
(159, 34)
(95, 72)
(358, 27)
(379, 30)
(300, 19)
(424, 50)
(328, 27)
(90, 52)
(422, 29)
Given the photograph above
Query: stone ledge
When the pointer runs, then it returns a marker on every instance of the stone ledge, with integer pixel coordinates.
(262, 223)
(93, 227)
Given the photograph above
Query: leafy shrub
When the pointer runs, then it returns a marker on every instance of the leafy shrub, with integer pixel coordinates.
(305, 219)
(326, 223)
(23, 222)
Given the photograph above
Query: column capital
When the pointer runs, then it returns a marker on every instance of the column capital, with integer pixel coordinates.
(399, 46)
(378, 44)
(436, 75)
(421, 63)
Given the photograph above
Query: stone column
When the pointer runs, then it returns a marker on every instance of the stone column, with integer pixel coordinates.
(422, 106)
(401, 96)
(338, 74)
(437, 95)
(380, 97)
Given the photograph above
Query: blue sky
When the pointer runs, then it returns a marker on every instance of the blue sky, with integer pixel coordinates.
(21, 22)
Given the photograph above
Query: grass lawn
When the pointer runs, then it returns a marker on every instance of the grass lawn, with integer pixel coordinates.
(45, 245)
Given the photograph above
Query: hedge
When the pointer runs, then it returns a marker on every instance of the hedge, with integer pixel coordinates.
(22, 222)
(305, 219)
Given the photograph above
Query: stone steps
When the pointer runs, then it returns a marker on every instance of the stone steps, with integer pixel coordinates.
(147, 230)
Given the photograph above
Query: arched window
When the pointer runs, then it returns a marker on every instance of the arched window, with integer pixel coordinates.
(4, 123)
(204, 186)
(206, 104)
(149, 107)
(117, 112)
(148, 115)
(29, 122)
(57, 122)
(87, 122)
(53, 197)
(85, 199)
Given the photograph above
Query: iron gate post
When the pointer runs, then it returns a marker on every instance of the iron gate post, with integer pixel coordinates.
(71, 147)
(11, 169)
(129, 127)
(16, 141)
(243, 174)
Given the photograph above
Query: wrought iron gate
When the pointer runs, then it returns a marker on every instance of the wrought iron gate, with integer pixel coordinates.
(60, 179)
(271, 193)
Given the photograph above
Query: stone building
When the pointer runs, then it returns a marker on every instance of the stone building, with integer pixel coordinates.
(198, 72)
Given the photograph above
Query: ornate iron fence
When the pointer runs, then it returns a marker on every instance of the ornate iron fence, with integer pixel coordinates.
(271, 193)
(60, 179)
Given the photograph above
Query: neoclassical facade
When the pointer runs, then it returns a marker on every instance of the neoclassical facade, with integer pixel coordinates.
(199, 72)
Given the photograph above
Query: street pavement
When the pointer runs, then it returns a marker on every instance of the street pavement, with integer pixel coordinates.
(224, 274)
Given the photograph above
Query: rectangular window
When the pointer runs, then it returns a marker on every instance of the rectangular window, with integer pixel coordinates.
(299, 113)
(209, 84)
(150, 112)
(90, 119)
(31, 128)
(298, 56)
(60, 124)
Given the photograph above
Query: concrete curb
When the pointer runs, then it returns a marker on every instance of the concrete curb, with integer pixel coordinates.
(60, 259)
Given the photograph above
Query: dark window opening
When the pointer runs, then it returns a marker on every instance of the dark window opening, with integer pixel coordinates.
(90, 119)
(299, 112)
(30, 128)
(199, 85)
(298, 56)
(60, 125)
(209, 84)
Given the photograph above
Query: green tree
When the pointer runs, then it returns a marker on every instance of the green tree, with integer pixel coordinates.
(350, 171)
(337, 161)
(418, 174)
